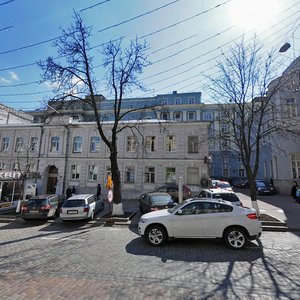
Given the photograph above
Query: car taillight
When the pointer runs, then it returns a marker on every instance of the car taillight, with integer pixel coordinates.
(24, 208)
(46, 207)
(86, 209)
(153, 208)
(252, 216)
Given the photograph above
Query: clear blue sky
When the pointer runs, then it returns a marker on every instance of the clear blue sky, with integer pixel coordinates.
(186, 38)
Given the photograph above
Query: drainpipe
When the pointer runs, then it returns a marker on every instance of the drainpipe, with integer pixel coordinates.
(66, 157)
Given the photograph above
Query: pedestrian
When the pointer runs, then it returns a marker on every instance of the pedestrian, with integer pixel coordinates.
(73, 190)
(68, 192)
(98, 194)
(298, 195)
(293, 191)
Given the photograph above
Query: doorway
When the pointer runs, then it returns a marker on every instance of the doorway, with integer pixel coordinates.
(52, 180)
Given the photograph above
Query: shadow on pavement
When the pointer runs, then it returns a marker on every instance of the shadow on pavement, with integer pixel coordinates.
(195, 251)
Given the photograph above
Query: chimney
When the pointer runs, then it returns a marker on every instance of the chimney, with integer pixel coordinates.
(174, 92)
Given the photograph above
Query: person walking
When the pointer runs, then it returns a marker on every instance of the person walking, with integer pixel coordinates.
(73, 190)
(294, 190)
(68, 192)
(98, 194)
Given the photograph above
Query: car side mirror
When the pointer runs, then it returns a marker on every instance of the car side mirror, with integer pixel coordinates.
(179, 212)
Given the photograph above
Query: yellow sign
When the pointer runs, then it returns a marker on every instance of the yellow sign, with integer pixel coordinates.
(109, 183)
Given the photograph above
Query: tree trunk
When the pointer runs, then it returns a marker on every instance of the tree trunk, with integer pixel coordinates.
(117, 191)
(253, 195)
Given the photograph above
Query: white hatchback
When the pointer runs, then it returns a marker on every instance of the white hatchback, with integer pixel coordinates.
(83, 206)
(202, 218)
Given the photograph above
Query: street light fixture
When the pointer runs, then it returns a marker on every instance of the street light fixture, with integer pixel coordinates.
(286, 46)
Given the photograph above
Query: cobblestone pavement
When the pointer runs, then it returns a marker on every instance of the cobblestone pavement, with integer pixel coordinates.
(88, 261)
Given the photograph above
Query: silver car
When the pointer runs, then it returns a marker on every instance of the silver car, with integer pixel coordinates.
(79, 207)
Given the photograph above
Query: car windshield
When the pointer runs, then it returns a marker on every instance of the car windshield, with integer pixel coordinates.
(173, 209)
(74, 203)
(160, 200)
(227, 196)
(224, 185)
(261, 184)
(37, 202)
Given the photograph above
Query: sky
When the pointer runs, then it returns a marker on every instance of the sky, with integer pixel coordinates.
(186, 39)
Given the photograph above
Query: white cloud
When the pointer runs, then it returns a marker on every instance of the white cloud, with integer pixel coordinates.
(14, 76)
(4, 80)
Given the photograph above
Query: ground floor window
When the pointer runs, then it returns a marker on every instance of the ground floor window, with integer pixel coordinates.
(193, 175)
(170, 175)
(93, 173)
(150, 175)
(225, 171)
(75, 171)
(241, 172)
(129, 174)
(295, 165)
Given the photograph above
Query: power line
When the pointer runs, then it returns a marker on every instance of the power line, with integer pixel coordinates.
(6, 2)
(92, 6)
(6, 28)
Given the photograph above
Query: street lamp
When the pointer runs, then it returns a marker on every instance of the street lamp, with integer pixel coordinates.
(286, 46)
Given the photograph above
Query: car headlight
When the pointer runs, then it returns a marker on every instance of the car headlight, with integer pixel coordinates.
(143, 220)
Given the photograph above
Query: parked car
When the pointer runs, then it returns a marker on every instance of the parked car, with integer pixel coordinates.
(202, 218)
(220, 194)
(172, 189)
(263, 187)
(40, 207)
(224, 185)
(240, 182)
(82, 206)
(155, 201)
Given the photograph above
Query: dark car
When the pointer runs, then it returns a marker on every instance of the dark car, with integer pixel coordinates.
(240, 182)
(40, 207)
(155, 201)
(263, 187)
(172, 189)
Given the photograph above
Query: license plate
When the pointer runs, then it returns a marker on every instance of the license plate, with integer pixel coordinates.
(34, 211)
(72, 212)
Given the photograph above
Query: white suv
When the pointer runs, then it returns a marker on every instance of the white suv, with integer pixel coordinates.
(83, 206)
(202, 218)
(220, 194)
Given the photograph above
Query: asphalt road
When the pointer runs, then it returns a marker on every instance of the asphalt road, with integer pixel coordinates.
(90, 261)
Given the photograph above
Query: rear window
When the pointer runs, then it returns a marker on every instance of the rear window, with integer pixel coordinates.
(160, 200)
(37, 202)
(227, 196)
(74, 203)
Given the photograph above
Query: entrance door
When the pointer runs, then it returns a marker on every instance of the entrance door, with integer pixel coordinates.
(52, 180)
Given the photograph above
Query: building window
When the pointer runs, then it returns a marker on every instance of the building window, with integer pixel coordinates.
(108, 171)
(239, 158)
(193, 144)
(164, 102)
(177, 116)
(224, 144)
(224, 128)
(5, 144)
(75, 172)
(177, 101)
(191, 100)
(16, 167)
(129, 174)
(241, 172)
(164, 116)
(19, 144)
(225, 159)
(95, 144)
(170, 175)
(2, 166)
(150, 175)
(290, 108)
(54, 147)
(33, 144)
(93, 173)
(191, 116)
(225, 171)
(131, 144)
(150, 143)
(171, 143)
(77, 144)
(207, 116)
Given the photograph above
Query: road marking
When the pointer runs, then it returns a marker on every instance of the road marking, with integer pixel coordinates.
(62, 239)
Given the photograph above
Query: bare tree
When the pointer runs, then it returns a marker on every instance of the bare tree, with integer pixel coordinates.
(247, 106)
(72, 75)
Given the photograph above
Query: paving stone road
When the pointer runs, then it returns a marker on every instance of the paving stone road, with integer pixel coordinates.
(88, 261)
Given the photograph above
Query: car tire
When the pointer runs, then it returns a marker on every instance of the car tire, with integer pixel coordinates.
(92, 215)
(235, 238)
(156, 235)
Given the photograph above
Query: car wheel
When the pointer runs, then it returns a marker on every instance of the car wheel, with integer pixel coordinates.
(235, 238)
(92, 215)
(102, 206)
(156, 235)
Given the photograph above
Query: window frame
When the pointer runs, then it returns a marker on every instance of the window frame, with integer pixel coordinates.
(77, 144)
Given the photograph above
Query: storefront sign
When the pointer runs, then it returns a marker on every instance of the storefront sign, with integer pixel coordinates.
(10, 175)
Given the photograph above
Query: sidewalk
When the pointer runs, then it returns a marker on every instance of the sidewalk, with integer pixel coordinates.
(281, 207)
